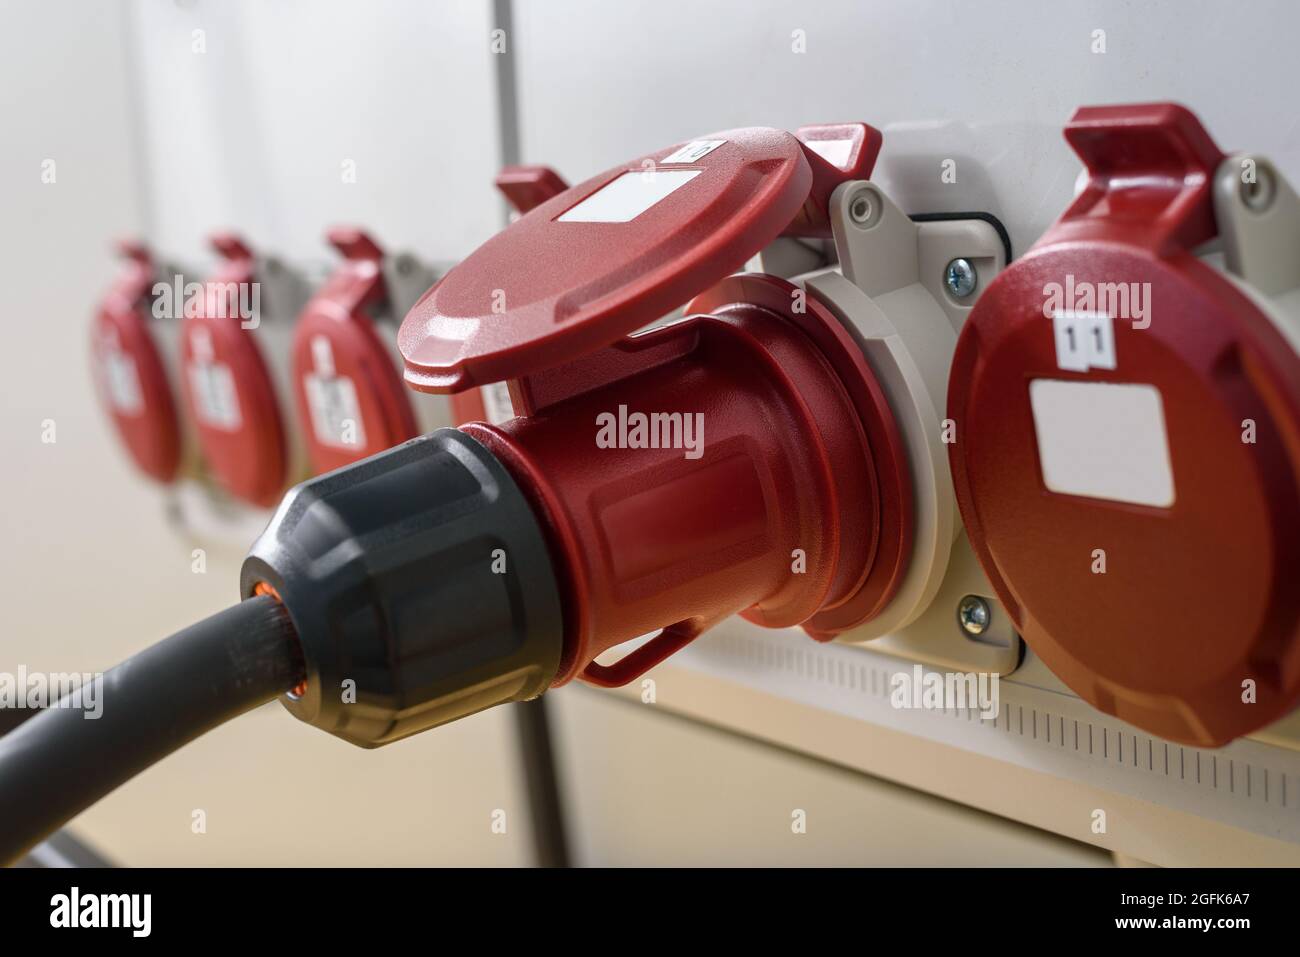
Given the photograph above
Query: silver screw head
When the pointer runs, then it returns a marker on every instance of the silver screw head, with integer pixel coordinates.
(974, 615)
(961, 277)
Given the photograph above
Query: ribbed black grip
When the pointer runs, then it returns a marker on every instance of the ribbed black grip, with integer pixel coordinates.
(422, 576)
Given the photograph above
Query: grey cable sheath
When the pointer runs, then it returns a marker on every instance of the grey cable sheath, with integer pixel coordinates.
(59, 762)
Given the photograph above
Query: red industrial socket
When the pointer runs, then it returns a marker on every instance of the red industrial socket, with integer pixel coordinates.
(350, 396)
(796, 506)
(129, 371)
(1200, 594)
(231, 399)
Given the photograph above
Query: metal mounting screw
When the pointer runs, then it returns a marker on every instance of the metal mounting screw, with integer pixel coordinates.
(974, 615)
(961, 277)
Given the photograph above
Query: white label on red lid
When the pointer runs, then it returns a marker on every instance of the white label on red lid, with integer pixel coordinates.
(216, 401)
(1103, 440)
(835, 152)
(322, 355)
(332, 399)
(624, 199)
(335, 412)
(692, 152)
(1084, 340)
(122, 382)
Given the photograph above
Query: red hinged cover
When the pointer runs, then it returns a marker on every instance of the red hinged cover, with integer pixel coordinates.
(837, 153)
(1197, 594)
(229, 393)
(527, 187)
(613, 254)
(1150, 172)
(350, 398)
(129, 371)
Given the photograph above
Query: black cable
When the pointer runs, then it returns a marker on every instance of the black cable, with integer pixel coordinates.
(11, 718)
(60, 762)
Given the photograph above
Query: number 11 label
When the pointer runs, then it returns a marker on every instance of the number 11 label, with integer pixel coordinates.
(1084, 340)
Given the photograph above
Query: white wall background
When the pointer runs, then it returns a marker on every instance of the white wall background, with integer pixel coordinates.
(989, 84)
(254, 133)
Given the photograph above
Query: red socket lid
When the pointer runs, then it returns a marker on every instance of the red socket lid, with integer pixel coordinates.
(608, 256)
(1128, 446)
(350, 396)
(129, 372)
(229, 393)
(527, 187)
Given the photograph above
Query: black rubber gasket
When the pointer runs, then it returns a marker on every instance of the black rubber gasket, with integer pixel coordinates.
(984, 217)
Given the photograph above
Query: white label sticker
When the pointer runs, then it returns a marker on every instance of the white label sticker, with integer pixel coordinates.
(624, 199)
(215, 400)
(692, 152)
(1103, 440)
(332, 400)
(322, 356)
(496, 403)
(122, 382)
(835, 152)
(335, 412)
(1084, 340)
